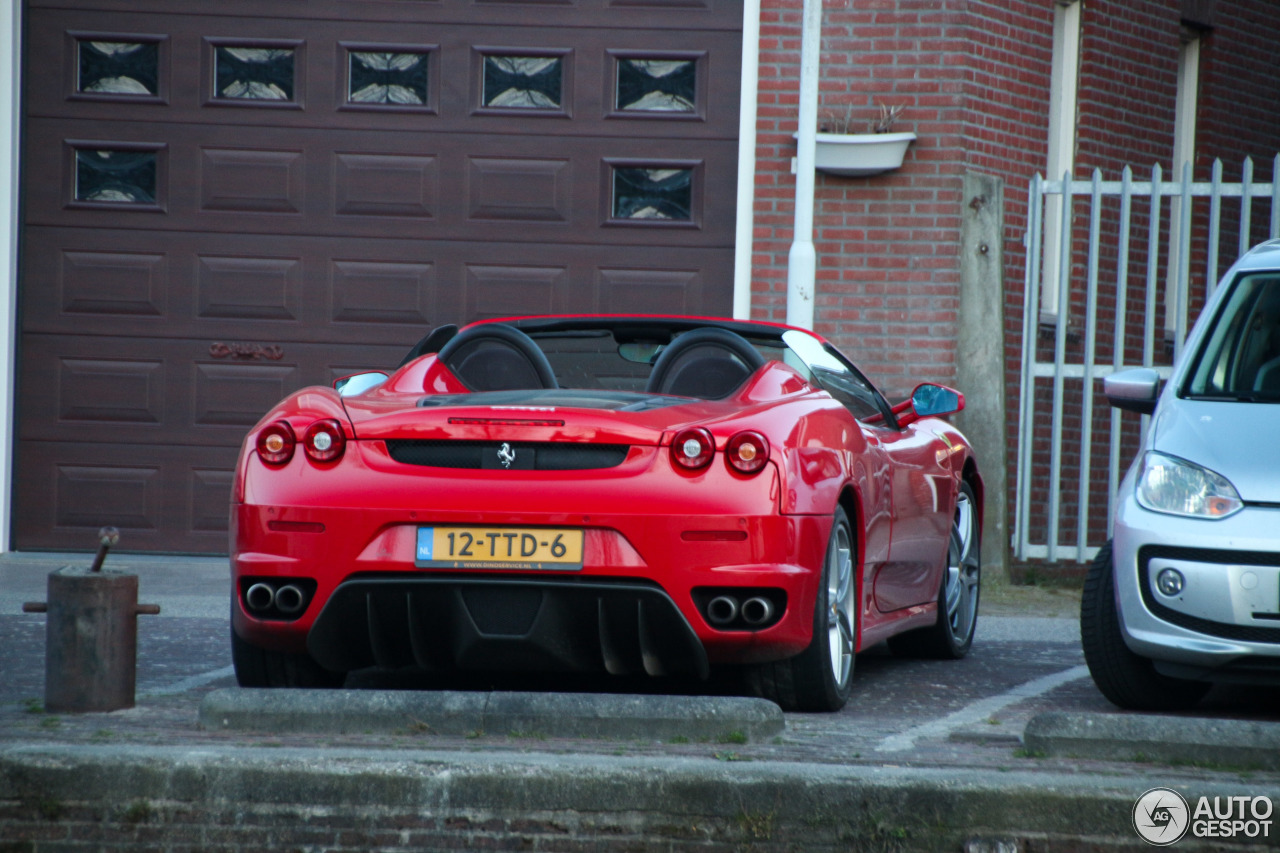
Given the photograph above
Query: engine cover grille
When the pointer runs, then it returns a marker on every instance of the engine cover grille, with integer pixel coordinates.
(511, 455)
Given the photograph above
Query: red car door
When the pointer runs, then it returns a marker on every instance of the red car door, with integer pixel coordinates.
(923, 496)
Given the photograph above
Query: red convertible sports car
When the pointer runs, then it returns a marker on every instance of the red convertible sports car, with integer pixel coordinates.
(609, 494)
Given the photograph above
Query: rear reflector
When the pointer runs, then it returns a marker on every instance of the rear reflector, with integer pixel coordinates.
(295, 526)
(714, 535)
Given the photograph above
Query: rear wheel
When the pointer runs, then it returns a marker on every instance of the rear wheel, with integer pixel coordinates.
(1127, 679)
(952, 635)
(258, 667)
(820, 677)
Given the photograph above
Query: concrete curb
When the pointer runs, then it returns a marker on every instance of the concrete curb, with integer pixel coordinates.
(1244, 744)
(553, 799)
(727, 719)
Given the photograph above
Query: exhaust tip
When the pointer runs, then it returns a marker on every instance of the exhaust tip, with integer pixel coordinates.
(289, 599)
(757, 610)
(260, 596)
(722, 610)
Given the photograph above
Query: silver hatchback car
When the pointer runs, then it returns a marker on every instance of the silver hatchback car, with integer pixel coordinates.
(1187, 593)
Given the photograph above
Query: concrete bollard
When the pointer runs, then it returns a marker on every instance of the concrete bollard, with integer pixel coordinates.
(91, 637)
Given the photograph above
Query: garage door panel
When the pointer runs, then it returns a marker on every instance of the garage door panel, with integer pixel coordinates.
(109, 390)
(159, 497)
(386, 185)
(316, 182)
(278, 290)
(112, 283)
(519, 189)
(321, 88)
(201, 394)
(248, 181)
(649, 14)
(647, 291)
(384, 293)
(236, 395)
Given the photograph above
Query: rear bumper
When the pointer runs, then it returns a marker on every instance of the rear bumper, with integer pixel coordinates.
(653, 546)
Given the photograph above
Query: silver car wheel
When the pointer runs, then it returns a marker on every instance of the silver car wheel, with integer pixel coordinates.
(962, 570)
(840, 604)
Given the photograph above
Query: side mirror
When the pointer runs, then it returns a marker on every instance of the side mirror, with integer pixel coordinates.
(358, 383)
(931, 401)
(1134, 390)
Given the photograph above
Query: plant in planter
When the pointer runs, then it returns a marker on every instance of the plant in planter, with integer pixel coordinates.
(840, 151)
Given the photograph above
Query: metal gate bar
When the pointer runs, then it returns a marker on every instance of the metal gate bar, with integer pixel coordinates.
(1041, 541)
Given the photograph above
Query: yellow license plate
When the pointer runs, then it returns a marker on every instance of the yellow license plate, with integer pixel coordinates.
(499, 548)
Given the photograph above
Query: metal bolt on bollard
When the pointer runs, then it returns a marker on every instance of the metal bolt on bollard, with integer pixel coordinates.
(91, 637)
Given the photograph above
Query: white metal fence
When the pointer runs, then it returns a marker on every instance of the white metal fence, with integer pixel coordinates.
(1122, 300)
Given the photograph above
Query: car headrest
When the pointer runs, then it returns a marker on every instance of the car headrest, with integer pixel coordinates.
(497, 357)
(708, 363)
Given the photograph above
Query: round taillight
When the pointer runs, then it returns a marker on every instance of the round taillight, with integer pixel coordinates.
(276, 443)
(324, 441)
(693, 448)
(747, 452)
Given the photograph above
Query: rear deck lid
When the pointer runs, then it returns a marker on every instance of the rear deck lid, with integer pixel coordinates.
(608, 417)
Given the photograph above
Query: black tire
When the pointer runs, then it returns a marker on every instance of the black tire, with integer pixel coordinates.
(258, 667)
(1127, 679)
(952, 635)
(818, 679)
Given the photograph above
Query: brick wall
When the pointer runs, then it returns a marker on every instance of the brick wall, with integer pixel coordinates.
(888, 274)
(974, 76)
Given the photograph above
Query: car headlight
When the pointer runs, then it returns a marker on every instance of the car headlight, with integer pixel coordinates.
(1178, 487)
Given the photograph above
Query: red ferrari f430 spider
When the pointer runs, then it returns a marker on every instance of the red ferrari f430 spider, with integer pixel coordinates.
(605, 494)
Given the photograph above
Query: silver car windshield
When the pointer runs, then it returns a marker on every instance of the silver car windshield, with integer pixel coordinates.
(1240, 357)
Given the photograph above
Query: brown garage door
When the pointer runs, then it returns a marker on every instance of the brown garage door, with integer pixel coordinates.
(227, 202)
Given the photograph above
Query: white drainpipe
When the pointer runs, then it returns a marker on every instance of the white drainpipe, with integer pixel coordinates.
(802, 262)
(10, 40)
(744, 238)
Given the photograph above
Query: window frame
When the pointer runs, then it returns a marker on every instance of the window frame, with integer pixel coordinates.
(209, 73)
(71, 178)
(432, 51)
(74, 92)
(610, 164)
(480, 53)
(615, 56)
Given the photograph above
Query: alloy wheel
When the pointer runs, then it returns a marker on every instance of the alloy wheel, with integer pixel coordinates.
(840, 604)
(962, 570)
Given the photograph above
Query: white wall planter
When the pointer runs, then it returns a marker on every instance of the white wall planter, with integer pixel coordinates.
(860, 154)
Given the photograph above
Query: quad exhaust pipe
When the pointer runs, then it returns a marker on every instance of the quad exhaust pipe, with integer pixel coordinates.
(264, 599)
(757, 610)
(260, 596)
(726, 611)
(289, 599)
(722, 610)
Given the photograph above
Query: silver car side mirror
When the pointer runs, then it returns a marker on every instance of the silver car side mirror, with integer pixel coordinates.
(1134, 390)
